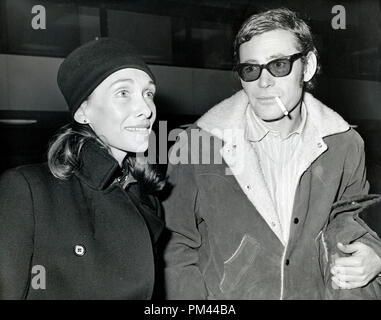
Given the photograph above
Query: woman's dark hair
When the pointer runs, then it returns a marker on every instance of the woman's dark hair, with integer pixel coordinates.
(64, 157)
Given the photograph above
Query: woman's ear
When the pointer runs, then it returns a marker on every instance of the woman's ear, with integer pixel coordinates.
(310, 66)
(80, 114)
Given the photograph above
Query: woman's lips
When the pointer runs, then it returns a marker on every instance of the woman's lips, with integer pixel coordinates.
(143, 128)
(138, 130)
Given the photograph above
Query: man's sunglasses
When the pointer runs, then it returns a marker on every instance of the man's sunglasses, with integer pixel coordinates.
(280, 67)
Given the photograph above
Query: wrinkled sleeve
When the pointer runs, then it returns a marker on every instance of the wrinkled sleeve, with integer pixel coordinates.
(183, 279)
(346, 227)
(16, 235)
(355, 182)
(358, 185)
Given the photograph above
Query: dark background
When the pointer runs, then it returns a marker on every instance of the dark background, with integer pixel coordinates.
(188, 44)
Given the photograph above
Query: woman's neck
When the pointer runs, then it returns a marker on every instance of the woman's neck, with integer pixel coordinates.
(118, 155)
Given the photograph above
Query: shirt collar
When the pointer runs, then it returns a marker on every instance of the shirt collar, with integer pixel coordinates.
(257, 129)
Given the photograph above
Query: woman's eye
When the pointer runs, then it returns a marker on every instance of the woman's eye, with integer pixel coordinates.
(149, 94)
(122, 93)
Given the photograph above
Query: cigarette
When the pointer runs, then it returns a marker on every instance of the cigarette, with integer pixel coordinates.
(281, 106)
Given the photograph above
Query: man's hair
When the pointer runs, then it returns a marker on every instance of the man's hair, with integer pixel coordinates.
(275, 19)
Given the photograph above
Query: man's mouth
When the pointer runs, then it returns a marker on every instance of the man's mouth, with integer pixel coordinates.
(266, 98)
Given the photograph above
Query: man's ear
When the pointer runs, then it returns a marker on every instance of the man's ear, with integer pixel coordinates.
(80, 114)
(310, 66)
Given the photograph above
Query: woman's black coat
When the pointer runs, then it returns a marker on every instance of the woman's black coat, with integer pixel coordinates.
(93, 239)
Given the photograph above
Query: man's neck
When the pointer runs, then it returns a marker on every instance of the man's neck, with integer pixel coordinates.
(287, 124)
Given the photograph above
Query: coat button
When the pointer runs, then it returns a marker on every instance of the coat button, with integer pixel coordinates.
(287, 262)
(319, 145)
(79, 250)
(296, 220)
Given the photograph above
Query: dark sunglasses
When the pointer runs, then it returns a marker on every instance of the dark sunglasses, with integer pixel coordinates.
(280, 67)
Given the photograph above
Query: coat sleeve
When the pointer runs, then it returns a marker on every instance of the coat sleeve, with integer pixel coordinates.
(358, 185)
(355, 182)
(16, 235)
(346, 227)
(183, 278)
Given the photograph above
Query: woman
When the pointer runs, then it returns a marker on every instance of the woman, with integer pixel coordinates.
(84, 225)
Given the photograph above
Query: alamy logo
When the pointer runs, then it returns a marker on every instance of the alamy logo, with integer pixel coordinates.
(39, 20)
(339, 20)
(38, 281)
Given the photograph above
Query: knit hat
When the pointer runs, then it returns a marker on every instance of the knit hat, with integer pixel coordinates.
(88, 65)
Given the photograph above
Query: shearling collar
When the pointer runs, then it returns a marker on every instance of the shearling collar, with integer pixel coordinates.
(230, 114)
(98, 168)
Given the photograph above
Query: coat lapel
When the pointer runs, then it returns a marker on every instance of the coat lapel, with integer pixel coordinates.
(313, 146)
(244, 165)
(239, 155)
(321, 122)
(148, 209)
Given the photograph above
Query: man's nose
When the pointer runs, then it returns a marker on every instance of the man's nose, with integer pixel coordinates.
(266, 79)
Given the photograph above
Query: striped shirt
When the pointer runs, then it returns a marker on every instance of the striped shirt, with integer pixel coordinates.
(280, 168)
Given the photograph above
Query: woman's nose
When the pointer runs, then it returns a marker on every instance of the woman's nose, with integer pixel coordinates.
(144, 109)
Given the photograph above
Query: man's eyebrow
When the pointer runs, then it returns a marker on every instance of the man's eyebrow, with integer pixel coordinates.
(272, 57)
(276, 56)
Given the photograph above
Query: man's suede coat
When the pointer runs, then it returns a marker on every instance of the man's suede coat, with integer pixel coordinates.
(222, 245)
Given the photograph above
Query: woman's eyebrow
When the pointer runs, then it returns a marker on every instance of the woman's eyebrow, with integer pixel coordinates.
(152, 84)
(131, 81)
(121, 80)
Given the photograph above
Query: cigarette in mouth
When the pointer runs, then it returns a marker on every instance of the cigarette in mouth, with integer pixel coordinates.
(281, 106)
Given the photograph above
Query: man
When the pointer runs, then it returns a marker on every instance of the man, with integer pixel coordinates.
(250, 226)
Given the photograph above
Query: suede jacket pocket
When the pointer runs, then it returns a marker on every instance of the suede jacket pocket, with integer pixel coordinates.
(239, 263)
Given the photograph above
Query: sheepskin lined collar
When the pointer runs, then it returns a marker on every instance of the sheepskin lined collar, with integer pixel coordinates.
(231, 114)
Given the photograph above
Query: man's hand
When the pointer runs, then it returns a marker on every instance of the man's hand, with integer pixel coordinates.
(358, 269)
